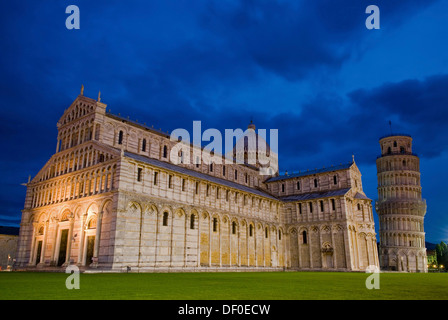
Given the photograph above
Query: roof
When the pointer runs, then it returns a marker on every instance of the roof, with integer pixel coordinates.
(13, 231)
(316, 195)
(310, 172)
(361, 196)
(135, 123)
(199, 175)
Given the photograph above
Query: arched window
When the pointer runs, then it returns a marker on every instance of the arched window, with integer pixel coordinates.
(251, 230)
(315, 183)
(165, 151)
(211, 167)
(223, 170)
(139, 174)
(233, 227)
(359, 206)
(311, 207)
(283, 187)
(120, 137)
(389, 151)
(266, 232)
(155, 178)
(395, 144)
(192, 221)
(335, 179)
(165, 218)
(321, 206)
(215, 224)
(304, 237)
(92, 224)
(170, 181)
(144, 145)
(279, 234)
(298, 185)
(402, 150)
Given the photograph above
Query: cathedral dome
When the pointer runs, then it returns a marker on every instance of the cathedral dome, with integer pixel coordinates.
(253, 149)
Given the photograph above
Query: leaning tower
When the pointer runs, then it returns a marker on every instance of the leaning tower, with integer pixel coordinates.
(400, 206)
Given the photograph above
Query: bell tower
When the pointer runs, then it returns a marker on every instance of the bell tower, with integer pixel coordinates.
(400, 206)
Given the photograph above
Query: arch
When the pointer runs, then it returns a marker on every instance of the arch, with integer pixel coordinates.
(41, 217)
(134, 208)
(106, 206)
(92, 222)
(205, 214)
(65, 215)
(92, 209)
(180, 212)
(151, 208)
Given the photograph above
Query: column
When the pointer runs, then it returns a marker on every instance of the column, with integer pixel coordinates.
(44, 242)
(69, 240)
(33, 243)
(97, 240)
(81, 245)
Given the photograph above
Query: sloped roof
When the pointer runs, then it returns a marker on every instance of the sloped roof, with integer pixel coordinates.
(361, 196)
(315, 195)
(199, 175)
(310, 172)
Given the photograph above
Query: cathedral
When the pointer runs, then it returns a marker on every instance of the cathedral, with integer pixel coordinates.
(111, 199)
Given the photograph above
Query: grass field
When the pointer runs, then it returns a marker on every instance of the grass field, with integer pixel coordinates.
(225, 286)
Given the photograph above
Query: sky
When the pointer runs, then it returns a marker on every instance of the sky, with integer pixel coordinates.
(310, 69)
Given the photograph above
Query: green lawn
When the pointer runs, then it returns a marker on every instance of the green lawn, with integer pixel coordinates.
(226, 286)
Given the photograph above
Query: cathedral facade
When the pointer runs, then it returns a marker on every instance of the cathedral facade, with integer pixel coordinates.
(110, 198)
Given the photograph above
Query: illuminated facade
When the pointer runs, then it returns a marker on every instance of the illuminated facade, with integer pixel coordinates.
(110, 198)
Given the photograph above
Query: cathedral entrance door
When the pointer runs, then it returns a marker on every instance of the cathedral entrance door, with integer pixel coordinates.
(63, 247)
(90, 247)
(39, 251)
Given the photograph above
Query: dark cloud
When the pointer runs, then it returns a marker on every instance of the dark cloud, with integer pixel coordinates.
(419, 107)
(168, 63)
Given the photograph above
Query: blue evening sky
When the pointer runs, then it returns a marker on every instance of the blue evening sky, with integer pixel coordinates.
(308, 68)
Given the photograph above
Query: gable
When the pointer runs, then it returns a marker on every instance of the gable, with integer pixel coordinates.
(79, 108)
(71, 160)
